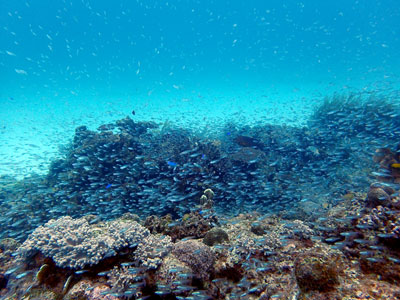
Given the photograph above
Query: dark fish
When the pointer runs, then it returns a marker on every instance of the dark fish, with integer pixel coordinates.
(246, 141)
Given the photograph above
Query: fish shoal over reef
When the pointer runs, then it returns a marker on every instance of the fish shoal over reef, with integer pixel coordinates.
(133, 210)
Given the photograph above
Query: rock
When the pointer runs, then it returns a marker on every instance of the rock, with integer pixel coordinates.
(388, 189)
(100, 293)
(215, 236)
(3, 282)
(9, 244)
(40, 294)
(79, 290)
(316, 271)
(377, 196)
(171, 270)
(197, 256)
(258, 229)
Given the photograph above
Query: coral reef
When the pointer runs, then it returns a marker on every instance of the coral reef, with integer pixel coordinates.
(146, 169)
(262, 212)
(74, 243)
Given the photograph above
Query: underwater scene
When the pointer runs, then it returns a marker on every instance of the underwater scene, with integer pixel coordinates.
(195, 149)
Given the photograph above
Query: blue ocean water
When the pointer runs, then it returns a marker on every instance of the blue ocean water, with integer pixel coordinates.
(195, 63)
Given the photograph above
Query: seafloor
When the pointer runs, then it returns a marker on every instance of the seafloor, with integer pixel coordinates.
(139, 210)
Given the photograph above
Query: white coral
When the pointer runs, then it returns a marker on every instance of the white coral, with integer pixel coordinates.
(74, 243)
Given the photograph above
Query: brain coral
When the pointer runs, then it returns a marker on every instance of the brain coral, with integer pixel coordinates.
(74, 243)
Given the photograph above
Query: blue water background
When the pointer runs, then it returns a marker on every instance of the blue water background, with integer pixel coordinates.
(196, 63)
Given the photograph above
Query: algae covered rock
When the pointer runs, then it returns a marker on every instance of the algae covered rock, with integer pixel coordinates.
(377, 196)
(316, 271)
(40, 294)
(8, 244)
(215, 236)
(174, 272)
(79, 290)
(197, 256)
(258, 229)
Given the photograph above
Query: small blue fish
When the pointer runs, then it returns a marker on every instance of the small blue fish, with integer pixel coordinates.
(332, 239)
(375, 259)
(367, 253)
(105, 273)
(386, 235)
(19, 276)
(394, 259)
(108, 186)
(127, 264)
(171, 163)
